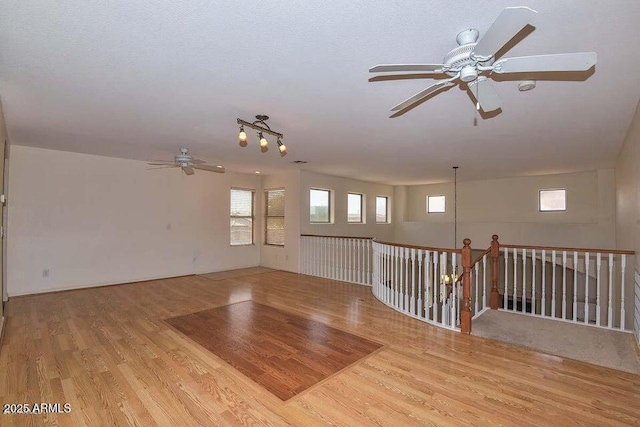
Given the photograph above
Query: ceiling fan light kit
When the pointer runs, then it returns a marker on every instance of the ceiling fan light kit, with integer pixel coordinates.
(473, 63)
(262, 127)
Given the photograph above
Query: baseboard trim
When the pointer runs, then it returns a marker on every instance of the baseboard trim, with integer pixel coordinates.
(103, 285)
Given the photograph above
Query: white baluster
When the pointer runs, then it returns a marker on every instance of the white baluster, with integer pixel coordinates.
(420, 278)
(623, 266)
(524, 280)
(477, 295)
(575, 286)
(533, 281)
(586, 287)
(514, 305)
(610, 310)
(405, 274)
(553, 283)
(598, 266)
(564, 285)
(485, 294)
(436, 285)
(396, 278)
(544, 282)
(506, 278)
(412, 308)
(428, 300)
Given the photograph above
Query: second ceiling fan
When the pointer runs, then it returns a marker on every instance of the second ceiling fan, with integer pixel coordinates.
(473, 62)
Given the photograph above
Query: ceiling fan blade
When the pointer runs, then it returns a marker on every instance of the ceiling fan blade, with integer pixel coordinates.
(509, 23)
(390, 68)
(419, 98)
(188, 170)
(163, 167)
(218, 169)
(541, 63)
(197, 161)
(402, 77)
(485, 94)
(161, 162)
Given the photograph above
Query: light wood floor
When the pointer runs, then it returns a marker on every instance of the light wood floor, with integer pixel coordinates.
(108, 352)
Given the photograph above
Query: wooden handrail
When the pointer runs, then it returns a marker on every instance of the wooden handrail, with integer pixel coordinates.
(553, 248)
(426, 248)
(337, 237)
(477, 260)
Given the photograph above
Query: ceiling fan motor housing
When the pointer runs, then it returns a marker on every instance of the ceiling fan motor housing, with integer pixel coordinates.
(183, 158)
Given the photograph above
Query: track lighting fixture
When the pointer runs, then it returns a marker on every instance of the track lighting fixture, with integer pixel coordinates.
(262, 127)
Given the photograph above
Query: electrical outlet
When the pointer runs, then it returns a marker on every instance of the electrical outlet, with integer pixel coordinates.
(169, 226)
(286, 258)
(45, 272)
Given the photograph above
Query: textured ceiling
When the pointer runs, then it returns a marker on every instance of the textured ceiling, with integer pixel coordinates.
(140, 79)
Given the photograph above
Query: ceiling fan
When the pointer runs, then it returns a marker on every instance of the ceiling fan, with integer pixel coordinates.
(186, 162)
(473, 62)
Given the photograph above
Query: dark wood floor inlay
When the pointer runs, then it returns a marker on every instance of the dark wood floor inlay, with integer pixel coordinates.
(284, 353)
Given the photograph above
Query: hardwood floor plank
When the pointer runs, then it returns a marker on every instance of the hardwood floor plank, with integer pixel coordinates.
(284, 353)
(109, 353)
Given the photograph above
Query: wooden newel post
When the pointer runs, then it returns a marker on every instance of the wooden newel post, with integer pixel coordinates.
(465, 313)
(494, 302)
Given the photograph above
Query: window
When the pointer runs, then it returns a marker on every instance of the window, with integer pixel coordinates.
(553, 200)
(382, 206)
(274, 223)
(435, 204)
(241, 217)
(319, 205)
(354, 208)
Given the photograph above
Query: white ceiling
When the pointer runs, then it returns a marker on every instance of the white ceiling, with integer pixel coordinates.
(140, 79)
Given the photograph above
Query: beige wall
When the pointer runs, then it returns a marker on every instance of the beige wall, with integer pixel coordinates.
(628, 190)
(628, 201)
(340, 187)
(509, 208)
(94, 220)
(283, 257)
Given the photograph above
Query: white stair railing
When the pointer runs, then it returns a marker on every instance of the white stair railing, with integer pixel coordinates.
(348, 259)
(636, 322)
(411, 280)
(586, 286)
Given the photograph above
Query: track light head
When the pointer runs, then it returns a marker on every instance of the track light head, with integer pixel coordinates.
(263, 142)
(282, 148)
(242, 137)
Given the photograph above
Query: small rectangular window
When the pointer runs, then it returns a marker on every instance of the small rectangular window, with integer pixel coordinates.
(435, 204)
(382, 209)
(354, 208)
(319, 205)
(241, 220)
(553, 200)
(274, 217)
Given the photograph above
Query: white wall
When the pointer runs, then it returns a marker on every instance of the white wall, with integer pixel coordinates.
(509, 208)
(283, 257)
(95, 220)
(340, 187)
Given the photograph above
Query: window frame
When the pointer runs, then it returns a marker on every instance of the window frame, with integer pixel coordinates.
(551, 210)
(386, 210)
(253, 216)
(267, 216)
(329, 197)
(362, 213)
(436, 195)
